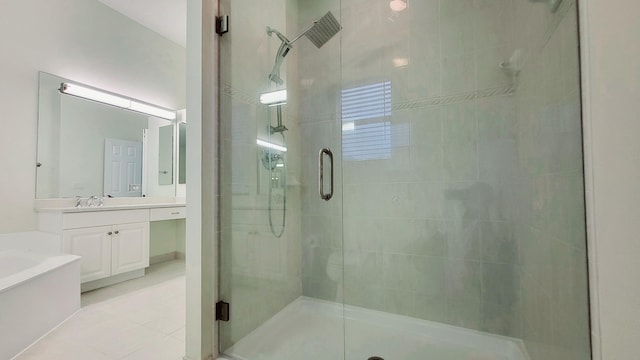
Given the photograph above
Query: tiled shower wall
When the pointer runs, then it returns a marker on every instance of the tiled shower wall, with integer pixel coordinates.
(427, 230)
(482, 174)
(317, 106)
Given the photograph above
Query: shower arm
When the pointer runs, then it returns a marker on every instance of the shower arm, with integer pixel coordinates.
(303, 33)
(284, 39)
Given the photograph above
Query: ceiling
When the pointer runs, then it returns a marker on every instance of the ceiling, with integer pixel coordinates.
(166, 17)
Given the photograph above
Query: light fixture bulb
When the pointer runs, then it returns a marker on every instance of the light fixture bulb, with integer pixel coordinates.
(400, 62)
(95, 95)
(274, 98)
(152, 110)
(115, 100)
(270, 145)
(349, 126)
(398, 5)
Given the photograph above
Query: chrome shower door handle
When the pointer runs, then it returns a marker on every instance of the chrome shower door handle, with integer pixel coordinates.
(325, 151)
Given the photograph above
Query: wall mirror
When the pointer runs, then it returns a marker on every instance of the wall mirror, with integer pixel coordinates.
(89, 148)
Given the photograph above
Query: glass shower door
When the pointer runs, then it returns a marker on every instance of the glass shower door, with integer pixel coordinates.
(464, 229)
(404, 183)
(281, 236)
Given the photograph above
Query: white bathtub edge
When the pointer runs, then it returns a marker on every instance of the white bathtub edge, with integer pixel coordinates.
(51, 298)
(17, 279)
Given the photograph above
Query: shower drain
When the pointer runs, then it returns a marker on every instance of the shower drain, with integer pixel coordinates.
(375, 358)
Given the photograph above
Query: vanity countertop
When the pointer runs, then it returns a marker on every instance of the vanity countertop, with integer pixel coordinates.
(66, 205)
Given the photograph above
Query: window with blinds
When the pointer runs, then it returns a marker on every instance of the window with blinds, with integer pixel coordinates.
(366, 122)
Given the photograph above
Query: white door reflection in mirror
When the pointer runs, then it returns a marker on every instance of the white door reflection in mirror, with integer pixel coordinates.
(123, 168)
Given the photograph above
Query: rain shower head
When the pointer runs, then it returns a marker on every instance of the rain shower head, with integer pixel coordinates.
(322, 30)
(319, 33)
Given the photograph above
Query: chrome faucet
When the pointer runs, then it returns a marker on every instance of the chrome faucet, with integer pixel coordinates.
(90, 200)
(78, 201)
(93, 198)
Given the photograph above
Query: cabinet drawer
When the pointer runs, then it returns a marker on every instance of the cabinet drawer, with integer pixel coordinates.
(102, 218)
(179, 212)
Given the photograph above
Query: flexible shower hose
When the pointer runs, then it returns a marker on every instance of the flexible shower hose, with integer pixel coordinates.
(284, 205)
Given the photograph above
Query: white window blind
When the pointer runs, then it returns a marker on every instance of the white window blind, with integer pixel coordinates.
(366, 122)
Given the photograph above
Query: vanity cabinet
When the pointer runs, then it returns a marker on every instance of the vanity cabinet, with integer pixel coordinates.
(113, 241)
(108, 250)
(113, 244)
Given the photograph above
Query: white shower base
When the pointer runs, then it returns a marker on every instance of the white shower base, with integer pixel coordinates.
(312, 329)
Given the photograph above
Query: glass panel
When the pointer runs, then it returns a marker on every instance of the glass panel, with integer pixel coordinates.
(464, 232)
(456, 228)
(281, 251)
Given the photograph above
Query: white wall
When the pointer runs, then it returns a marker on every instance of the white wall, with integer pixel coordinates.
(167, 237)
(80, 40)
(202, 181)
(611, 75)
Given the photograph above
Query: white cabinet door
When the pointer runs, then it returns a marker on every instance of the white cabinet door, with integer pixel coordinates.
(94, 245)
(129, 247)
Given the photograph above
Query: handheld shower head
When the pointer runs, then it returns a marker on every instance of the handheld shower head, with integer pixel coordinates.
(271, 31)
(283, 50)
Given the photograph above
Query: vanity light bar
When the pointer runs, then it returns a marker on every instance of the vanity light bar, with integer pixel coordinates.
(274, 98)
(115, 100)
(91, 94)
(152, 110)
(271, 145)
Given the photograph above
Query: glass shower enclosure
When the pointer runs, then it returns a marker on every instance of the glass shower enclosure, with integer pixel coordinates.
(402, 179)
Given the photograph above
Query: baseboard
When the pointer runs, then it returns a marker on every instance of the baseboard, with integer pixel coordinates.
(163, 257)
(180, 255)
(111, 280)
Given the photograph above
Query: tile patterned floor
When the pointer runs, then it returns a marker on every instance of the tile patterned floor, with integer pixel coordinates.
(141, 319)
